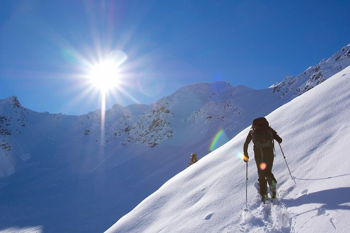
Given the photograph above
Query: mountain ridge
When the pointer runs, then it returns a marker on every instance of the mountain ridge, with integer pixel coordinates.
(293, 86)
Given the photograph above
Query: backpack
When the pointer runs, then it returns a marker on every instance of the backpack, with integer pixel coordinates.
(261, 133)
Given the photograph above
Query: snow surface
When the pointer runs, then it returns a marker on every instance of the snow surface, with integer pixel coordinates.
(209, 196)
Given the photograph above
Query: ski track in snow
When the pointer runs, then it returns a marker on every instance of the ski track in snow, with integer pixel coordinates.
(272, 217)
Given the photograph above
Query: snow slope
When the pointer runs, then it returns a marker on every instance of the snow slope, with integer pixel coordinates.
(210, 195)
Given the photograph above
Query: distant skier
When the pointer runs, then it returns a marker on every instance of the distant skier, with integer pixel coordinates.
(263, 137)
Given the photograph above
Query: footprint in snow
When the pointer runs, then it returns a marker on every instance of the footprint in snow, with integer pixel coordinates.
(208, 216)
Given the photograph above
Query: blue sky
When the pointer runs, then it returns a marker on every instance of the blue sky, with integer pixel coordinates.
(46, 47)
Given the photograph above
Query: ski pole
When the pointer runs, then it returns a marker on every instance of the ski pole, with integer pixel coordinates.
(285, 160)
(246, 186)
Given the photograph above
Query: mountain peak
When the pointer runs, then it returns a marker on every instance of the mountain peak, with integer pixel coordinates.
(11, 101)
(15, 101)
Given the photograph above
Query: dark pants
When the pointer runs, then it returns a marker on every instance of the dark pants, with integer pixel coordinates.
(264, 155)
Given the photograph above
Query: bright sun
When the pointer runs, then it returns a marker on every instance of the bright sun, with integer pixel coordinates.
(104, 75)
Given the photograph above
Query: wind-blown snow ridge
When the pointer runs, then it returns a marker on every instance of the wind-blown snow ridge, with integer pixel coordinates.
(210, 195)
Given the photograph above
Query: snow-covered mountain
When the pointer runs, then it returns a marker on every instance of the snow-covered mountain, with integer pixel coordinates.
(293, 86)
(58, 168)
(209, 196)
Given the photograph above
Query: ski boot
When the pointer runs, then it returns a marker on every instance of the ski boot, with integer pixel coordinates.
(273, 189)
(263, 198)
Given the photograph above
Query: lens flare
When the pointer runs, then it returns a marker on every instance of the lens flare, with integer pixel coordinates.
(150, 84)
(262, 166)
(240, 155)
(219, 140)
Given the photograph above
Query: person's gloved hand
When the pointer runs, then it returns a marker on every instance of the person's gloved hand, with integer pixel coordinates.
(245, 157)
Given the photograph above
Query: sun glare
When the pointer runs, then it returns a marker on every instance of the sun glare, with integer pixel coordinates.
(104, 75)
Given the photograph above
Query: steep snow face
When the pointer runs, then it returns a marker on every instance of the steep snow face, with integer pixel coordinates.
(293, 86)
(209, 196)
